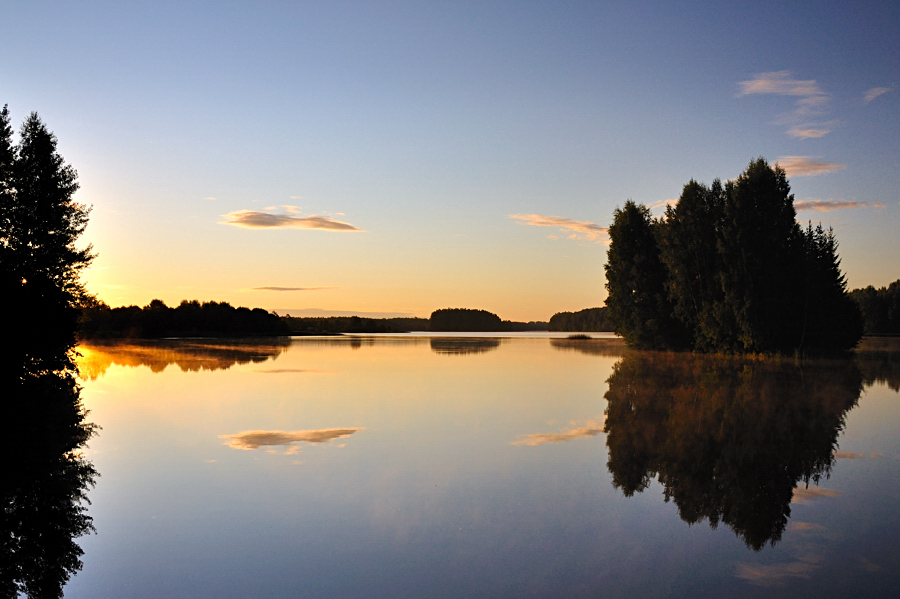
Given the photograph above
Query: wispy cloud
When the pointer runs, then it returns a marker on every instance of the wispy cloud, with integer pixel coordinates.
(873, 93)
(580, 229)
(210, 198)
(811, 100)
(830, 205)
(253, 219)
(589, 429)
(248, 440)
(802, 166)
(781, 83)
(808, 494)
(807, 132)
(272, 288)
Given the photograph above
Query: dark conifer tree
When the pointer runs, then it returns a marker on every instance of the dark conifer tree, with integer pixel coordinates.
(761, 250)
(688, 249)
(638, 303)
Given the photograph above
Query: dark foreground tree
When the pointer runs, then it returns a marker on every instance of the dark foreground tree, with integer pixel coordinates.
(729, 270)
(638, 303)
(39, 225)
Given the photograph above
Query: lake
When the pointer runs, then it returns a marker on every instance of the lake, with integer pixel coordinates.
(403, 466)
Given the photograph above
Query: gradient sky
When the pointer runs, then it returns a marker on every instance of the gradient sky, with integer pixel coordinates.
(403, 157)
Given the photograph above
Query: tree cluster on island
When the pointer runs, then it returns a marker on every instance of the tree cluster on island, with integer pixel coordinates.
(729, 269)
(459, 320)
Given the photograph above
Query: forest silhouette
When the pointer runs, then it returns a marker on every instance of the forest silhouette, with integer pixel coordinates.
(729, 269)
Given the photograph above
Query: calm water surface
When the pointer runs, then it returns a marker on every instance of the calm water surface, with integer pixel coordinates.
(484, 467)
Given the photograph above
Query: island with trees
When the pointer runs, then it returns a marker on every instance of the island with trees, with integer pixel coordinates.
(729, 269)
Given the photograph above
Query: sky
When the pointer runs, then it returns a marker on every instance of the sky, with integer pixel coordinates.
(401, 157)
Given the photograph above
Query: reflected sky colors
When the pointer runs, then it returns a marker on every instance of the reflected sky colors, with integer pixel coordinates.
(394, 467)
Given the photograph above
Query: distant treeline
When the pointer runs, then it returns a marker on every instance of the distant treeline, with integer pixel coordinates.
(354, 324)
(189, 319)
(880, 308)
(583, 321)
(449, 319)
(729, 269)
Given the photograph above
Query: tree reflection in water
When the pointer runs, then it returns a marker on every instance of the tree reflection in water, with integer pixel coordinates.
(45, 478)
(728, 438)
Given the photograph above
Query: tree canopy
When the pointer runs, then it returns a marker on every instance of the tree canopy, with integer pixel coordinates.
(40, 223)
(728, 268)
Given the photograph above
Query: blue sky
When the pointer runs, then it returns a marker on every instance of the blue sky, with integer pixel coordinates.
(448, 134)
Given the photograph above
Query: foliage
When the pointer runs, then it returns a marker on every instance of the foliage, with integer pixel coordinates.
(639, 306)
(587, 320)
(189, 319)
(39, 263)
(729, 269)
(880, 308)
(464, 319)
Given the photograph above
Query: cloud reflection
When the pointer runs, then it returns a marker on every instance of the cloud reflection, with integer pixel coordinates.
(590, 429)
(803, 495)
(248, 440)
(776, 574)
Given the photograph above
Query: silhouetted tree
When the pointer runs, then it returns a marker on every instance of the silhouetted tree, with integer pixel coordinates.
(638, 303)
(464, 319)
(729, 270)
(587, 320)
(688, 248)
(762, 255)
(39, 225)
(880, 308)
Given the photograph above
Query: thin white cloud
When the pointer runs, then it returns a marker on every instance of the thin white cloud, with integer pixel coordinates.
(830, 205)
(252, 219)
(811, 101)
(781, 83)
(248, 440)
(803, 166)
(272, 288)
(580, 229)
(808, 132)
(210, 198)
(873, 93)
(663, 204)
(590, 429)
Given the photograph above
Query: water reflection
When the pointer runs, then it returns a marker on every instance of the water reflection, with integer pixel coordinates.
(44, 482)
(879, 360)
(189, 356)
(607, 347)
(728, 438)
(463, 346)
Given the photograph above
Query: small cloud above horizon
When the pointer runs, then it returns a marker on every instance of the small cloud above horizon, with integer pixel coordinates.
(210, 198)
(252, 219)
(805, 166)
(830, 205)
(273, 288)
(580, 229)
(873, 93)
